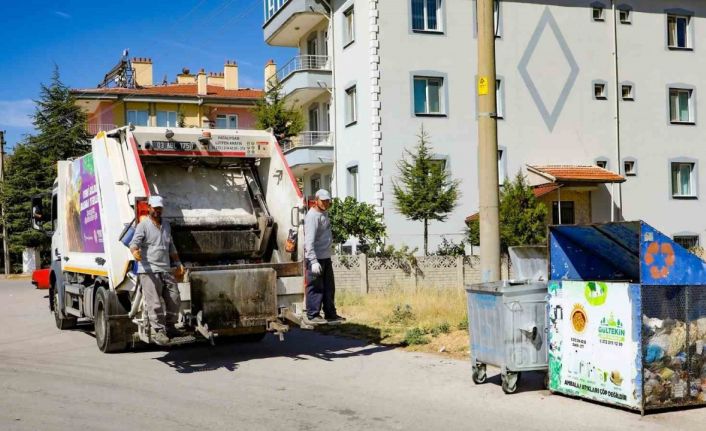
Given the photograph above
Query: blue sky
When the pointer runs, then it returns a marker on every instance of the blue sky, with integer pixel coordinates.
(86, 39)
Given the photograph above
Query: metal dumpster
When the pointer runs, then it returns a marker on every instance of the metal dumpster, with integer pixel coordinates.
(507, 321)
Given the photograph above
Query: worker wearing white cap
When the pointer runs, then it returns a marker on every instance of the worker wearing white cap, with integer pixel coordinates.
(320, 284)
(153, 248)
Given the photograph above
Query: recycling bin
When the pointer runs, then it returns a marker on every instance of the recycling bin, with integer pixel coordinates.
(627, 317)
(507, 321)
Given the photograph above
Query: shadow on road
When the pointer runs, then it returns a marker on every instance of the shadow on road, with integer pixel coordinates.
(530, 381)
(298, 344)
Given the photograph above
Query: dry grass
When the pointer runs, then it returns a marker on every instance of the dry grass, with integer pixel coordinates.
(428, 320)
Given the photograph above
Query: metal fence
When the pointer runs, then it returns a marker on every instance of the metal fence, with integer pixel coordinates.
(307, 139)
(673, 336)
(93, 128)
(301, 62)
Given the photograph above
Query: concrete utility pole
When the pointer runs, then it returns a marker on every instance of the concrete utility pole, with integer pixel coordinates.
(487, 145)
(6, 250)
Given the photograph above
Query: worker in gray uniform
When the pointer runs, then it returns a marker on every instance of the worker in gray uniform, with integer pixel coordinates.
(320, 284)
(153, 248)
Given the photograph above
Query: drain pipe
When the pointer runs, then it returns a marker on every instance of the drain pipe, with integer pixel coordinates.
(616, 84)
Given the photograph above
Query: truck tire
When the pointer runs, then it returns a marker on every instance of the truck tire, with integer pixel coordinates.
(110, 335)
(62, 322)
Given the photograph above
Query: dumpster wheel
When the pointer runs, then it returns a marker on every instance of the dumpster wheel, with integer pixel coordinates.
(479, 374)
(510, 381)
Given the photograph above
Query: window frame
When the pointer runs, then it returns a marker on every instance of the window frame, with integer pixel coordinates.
(688, 31)
(601, 161)
(440, 17)
(127, 116)
(427, 108)
(353, 180)
(693, 178)
(604, 85)
(630, 84)
(627, 10)
(601, 11)
(555, 211)
(351, 111)
(168, 114)
(691, 92)
(348, 26)
(681, 236)
(633, 168)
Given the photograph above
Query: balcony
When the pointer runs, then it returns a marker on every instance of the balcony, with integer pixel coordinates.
(94, 129)
(311, 149)
(287, 21)
(305, 77)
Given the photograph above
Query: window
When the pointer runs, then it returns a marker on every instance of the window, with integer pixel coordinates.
(501, 167)
(327, 117)
(629, 167)
(680, 106)
(427, 95)
(687, 241)
(229, 121)
(602, 163)
(499, 98)
(683, 184)
(599, 91)
(567, 212)
(314, 119)
(315, 183)
(598, 13)
(348, 26)
(351, 108)
(625, 16)
(426, 15)
(353, 182)
(166, 119)
(138, 118)
(438, 164)
(678, 32)
(626, 92)
(311, 45)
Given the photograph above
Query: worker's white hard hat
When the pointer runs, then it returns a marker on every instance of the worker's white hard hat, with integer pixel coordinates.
(324, 195)
(155, 201)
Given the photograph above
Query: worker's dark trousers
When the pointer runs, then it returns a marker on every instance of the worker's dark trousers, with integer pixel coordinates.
(320, 290)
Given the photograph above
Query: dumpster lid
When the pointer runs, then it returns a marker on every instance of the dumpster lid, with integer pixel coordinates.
(633, 251)
(529, 262)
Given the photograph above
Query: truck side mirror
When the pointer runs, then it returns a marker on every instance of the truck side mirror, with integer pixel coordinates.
(37, 216)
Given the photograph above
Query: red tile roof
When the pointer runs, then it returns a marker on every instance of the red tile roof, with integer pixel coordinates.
(214, 91)
(571, 173)
(539, 191)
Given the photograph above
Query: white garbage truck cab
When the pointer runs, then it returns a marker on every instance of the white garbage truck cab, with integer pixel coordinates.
(235, 211)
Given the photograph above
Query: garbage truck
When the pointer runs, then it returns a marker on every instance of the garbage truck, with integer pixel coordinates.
(236, 213)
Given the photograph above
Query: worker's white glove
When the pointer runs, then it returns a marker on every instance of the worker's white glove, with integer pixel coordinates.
(316, 268)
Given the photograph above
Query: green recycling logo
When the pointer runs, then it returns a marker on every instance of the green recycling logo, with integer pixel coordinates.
(596, 293)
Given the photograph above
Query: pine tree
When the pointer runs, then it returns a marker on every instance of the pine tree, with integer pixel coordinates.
(522, 216)
(272, 112)
(31, 168)
(424, 190)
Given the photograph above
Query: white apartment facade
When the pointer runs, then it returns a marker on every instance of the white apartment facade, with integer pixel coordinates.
(564, 99)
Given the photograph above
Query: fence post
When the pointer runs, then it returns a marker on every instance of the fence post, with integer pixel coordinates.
(459, 271)
(363, 263)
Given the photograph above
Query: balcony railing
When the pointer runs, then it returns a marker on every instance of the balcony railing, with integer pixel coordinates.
(302, 62)
(93, 128)
(272, 6)
(307, 139)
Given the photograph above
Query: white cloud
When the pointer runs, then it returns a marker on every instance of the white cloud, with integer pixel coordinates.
(15, 113)
(62, 14)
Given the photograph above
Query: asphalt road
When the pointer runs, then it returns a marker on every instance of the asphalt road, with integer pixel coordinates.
(52, 380)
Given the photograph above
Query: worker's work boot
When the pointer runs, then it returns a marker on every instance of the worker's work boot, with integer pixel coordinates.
(317, 320)
(335, 319)
(160, 338)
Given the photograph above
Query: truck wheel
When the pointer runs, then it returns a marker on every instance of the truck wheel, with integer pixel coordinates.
(109, 335)
(62, 322)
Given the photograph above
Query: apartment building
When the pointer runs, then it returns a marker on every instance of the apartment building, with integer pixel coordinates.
(597, 102)
(128, 94)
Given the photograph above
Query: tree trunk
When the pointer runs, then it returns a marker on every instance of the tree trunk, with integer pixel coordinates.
(426, 237)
